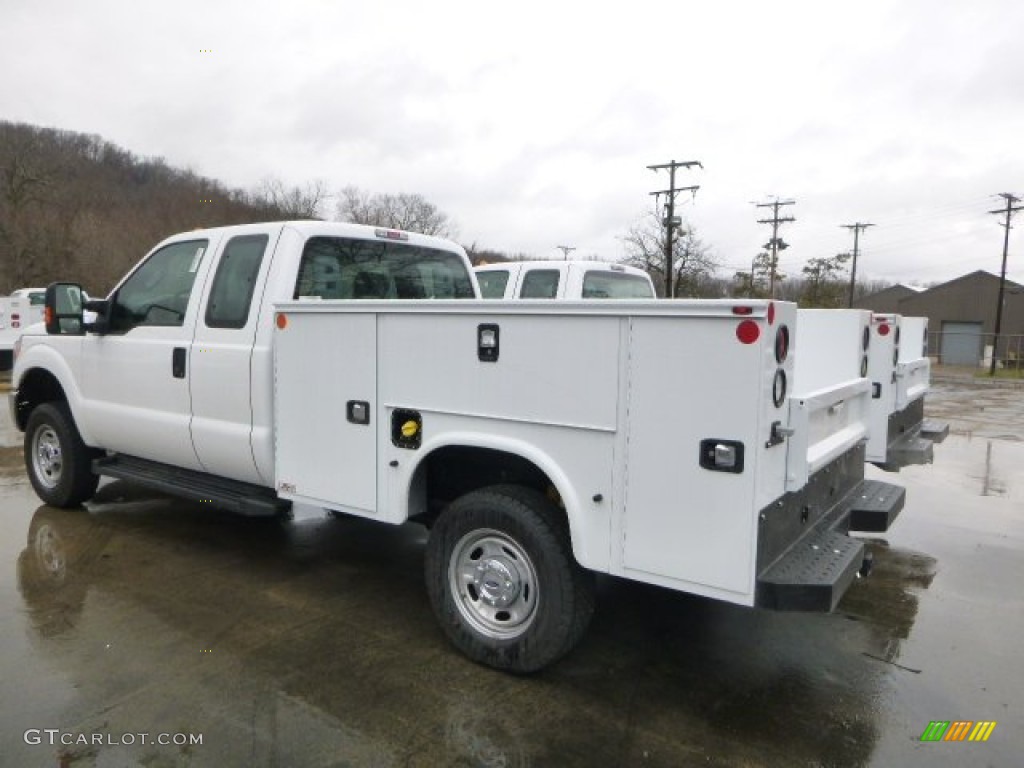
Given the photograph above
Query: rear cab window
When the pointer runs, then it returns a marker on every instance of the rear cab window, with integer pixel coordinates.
(600, 284)
(351, 268)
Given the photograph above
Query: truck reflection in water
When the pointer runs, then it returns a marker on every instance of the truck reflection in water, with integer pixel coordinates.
(322, 649)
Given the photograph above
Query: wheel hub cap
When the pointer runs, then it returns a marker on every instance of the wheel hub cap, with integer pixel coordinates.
(497, 582)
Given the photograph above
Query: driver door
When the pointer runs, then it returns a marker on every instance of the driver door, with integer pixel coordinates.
(135, 376)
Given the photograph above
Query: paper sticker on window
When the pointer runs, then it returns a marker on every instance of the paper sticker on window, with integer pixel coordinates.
(196, 259)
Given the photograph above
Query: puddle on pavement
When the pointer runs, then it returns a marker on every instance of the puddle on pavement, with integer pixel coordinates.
(311, 642)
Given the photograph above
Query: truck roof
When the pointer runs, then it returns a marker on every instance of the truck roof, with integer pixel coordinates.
(312, 228)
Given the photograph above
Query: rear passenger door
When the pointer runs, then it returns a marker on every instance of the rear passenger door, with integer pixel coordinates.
(221, 357)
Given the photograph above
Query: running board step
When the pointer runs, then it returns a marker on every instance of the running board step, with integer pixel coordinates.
(876, 506)
(934, 430)
(813, 575)
(242, 498)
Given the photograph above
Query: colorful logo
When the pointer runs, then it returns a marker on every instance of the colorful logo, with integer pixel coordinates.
(958, 730)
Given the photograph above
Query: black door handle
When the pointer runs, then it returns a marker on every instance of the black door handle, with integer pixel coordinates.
(178, 363)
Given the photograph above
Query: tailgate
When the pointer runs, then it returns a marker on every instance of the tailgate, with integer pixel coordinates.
(825, 424)
(912, 379)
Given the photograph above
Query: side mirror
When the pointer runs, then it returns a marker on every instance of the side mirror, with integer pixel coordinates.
(63, 309)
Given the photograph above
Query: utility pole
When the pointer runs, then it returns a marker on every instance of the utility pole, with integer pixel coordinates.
(670, 221)
(856, 240)
(775, 244)
(566, 250)
(1008, 211)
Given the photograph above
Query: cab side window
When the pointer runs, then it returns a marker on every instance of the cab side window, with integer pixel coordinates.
(492, 283)
(233, 285)
(157, 293)
(540, 284)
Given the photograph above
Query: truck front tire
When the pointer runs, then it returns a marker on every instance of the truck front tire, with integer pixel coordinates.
(503, 582)
(59, 464)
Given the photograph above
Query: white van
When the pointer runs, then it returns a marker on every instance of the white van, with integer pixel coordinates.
(563, 280)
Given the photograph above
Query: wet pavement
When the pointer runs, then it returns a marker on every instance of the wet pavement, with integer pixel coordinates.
(310, 642)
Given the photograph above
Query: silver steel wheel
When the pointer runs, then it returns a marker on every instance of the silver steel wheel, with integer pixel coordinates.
(493, 583)
(47, 458)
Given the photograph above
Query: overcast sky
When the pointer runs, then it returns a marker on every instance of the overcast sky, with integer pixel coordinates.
(531, 123)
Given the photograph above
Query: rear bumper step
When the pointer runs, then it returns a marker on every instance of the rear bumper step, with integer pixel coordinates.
(934, 430)
(242, 498)
(815, 572)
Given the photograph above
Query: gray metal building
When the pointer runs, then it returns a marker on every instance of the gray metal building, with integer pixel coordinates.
(963, 311)
(886, 301)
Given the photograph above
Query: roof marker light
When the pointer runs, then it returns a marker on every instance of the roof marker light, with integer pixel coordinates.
(743, 310)
(391, 234)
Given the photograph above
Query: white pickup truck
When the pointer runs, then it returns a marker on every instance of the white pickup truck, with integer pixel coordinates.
(263, 365)
(18, 311)
(563, 280)
(889, 350)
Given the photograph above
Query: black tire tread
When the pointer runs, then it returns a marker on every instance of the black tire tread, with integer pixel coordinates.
(499, 507)
(78, 482)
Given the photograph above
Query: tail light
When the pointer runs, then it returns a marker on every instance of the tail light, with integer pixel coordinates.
(748, 332)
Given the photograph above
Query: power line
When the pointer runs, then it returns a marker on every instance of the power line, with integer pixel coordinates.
(1008, 212)
(566, 250)
(776, 243)
(857, 229)
(670, 213)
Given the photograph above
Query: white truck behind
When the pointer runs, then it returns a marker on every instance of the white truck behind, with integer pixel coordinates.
(563, 280)
(22, 308)
(264, 365)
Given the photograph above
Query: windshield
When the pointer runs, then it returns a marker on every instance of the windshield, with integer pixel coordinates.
(350, 268)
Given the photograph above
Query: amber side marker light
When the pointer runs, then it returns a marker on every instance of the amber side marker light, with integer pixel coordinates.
(282, 320)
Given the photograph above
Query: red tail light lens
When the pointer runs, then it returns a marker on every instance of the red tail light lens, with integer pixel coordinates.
(883, 329)
(748, 332)
(771, 313)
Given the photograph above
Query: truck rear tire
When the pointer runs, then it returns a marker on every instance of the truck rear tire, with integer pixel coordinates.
(59, 464)
(503, 582)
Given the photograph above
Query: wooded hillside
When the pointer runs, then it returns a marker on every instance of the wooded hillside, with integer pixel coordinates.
(76, 207)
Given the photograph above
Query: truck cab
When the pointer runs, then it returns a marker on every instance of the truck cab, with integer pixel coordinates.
(563, 280)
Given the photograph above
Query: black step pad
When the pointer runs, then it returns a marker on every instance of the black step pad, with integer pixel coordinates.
(935, 430)
(876, 506)
(908, 450)
(813, 575)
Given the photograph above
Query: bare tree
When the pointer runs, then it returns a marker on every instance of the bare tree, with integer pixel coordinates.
(410, 212)
(693, 262)
(293, 202)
